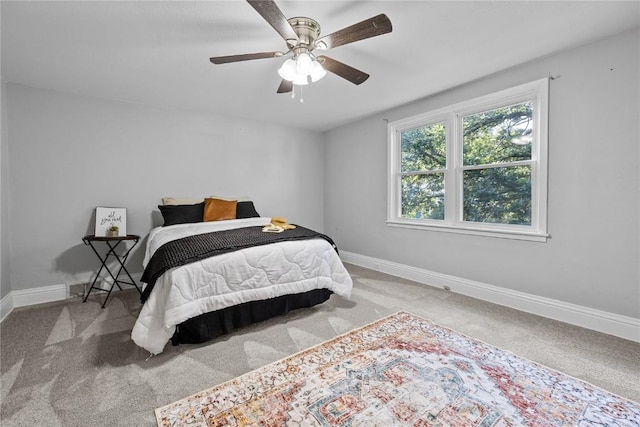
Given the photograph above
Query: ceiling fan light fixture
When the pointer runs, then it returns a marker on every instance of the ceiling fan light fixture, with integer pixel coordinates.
(301, 68)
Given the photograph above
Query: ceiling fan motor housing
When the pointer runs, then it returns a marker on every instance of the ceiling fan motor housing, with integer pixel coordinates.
(307, 29)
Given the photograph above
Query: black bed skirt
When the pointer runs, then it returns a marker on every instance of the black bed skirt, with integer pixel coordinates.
(216, 323)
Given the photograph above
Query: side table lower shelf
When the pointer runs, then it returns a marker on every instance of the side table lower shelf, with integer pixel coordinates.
(112, 243)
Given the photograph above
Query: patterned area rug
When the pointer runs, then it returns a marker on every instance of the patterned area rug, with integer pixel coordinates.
(402, 371)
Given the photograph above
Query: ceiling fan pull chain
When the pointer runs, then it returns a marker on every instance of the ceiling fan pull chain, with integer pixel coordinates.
(301, 100)
(293, 91)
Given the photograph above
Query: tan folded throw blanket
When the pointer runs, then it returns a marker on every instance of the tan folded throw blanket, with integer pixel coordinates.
(278, 225)
(282, 222)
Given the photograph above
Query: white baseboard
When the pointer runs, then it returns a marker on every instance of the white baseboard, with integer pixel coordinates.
(31, 296)
(6, 305)
(39, 295)
(43, 294)
(601, 321)
(610, 323)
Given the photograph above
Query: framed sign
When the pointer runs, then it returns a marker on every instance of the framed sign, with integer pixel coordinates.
(111, 222)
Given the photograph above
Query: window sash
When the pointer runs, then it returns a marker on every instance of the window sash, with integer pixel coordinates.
(491, 214)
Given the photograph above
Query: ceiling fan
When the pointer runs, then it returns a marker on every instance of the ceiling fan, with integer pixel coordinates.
(302, 36)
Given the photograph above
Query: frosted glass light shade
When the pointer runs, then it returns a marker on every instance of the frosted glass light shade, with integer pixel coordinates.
(317, 72)
(288, 70)
(304, 64)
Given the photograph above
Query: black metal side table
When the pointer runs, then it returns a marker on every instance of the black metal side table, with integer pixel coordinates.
(112, 243)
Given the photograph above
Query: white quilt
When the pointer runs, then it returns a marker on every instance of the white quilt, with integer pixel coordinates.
(229, 279)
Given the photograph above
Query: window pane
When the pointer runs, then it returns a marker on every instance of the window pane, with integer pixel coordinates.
(424, 148)
(498, 195)
(498, 136)
(423, 196)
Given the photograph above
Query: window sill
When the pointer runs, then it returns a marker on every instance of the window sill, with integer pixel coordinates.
(496, 233)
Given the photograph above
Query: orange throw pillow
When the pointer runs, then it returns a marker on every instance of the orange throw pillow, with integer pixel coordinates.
(218, 210)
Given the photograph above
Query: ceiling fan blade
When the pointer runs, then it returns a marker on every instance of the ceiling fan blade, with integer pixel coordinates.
(343, 70)
(274, 16)
(371, 27)
(285, 86)
(244, 57)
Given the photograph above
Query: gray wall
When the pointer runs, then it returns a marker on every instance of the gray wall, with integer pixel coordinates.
(61, 149)
(592, 258)
(5, 285)
(71, 153)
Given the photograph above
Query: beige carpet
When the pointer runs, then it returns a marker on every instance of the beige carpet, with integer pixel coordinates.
(74, 364)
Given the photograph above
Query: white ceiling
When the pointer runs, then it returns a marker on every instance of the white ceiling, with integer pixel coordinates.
(157, 53)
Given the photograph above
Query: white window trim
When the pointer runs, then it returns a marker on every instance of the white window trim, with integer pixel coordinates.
(536, 91)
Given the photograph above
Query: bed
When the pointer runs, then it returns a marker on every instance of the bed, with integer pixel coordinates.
(203, 279)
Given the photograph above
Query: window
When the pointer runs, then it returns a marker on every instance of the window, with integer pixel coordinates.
(478, 167)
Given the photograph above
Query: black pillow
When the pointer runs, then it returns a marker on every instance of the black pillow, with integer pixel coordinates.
(182, 214)
(246, 210)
